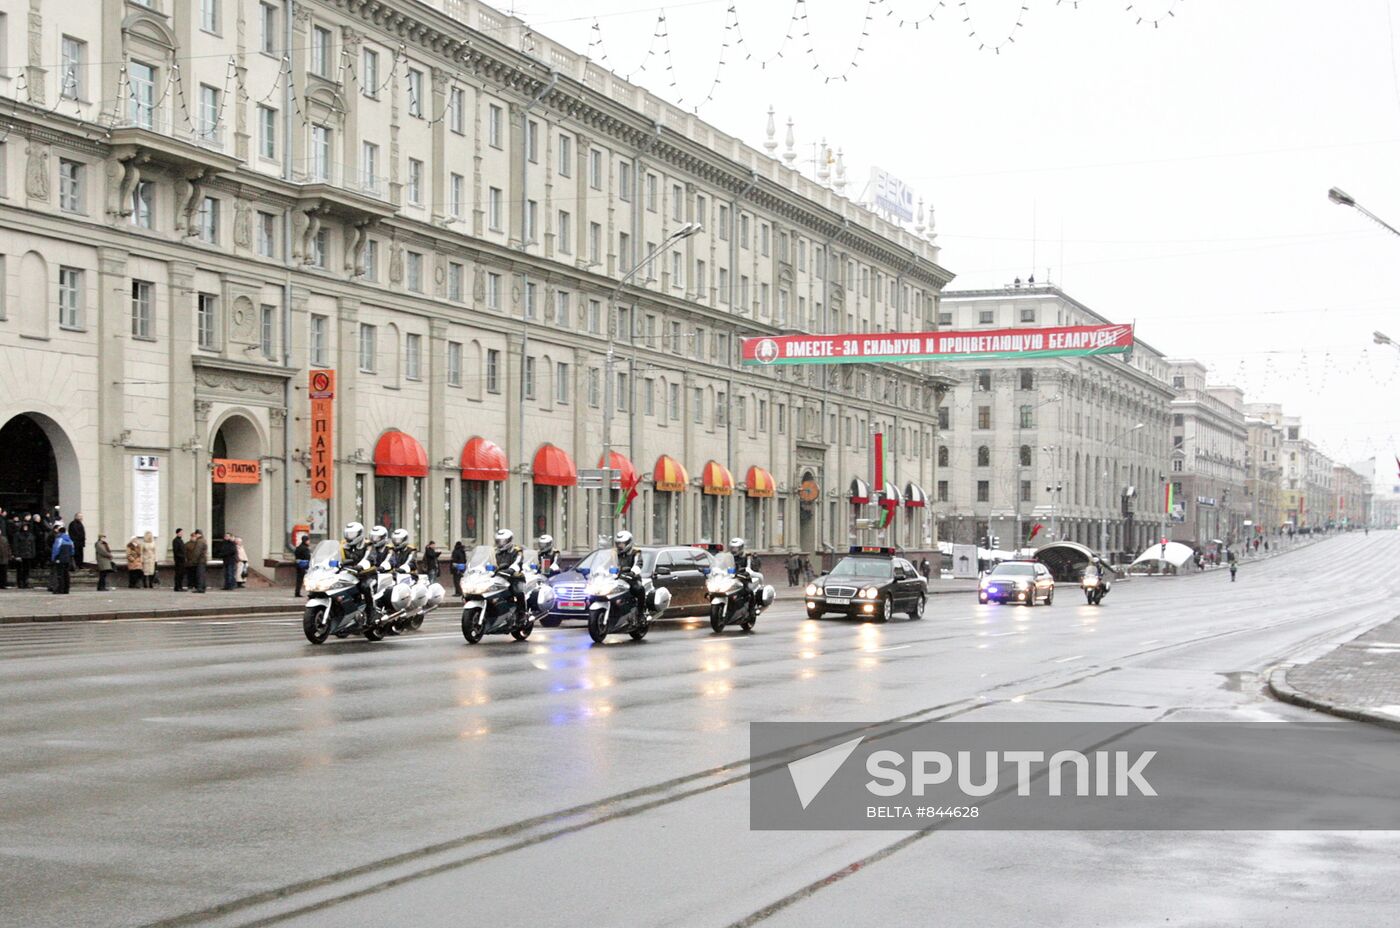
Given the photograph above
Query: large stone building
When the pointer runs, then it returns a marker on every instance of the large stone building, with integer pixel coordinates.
(1263, 467)
(204, 201)
(1051, 441)
(1209, 442)
(1307, 480)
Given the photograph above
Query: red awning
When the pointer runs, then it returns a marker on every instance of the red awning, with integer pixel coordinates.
(716, 480)
(760, 483)
(860, 491)
(669, 476)
(623, 466)
(398, 454)
(554, 467)
(914, 496)
(484, 460)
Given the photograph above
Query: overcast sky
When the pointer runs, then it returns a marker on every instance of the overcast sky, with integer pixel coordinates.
(1172, 176)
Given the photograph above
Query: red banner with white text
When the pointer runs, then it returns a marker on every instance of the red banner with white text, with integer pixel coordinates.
(975, 345)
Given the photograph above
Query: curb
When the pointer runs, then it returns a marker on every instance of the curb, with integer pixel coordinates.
(201, 612)
(1280, 689)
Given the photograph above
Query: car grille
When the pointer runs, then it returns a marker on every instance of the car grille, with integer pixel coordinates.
(847, 591)
(567, 594)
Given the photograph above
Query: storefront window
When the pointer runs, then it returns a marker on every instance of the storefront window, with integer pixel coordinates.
(708, 507)
(388, 502)
(543, 510)
(660, 517)
(473, 505)
(420, 521)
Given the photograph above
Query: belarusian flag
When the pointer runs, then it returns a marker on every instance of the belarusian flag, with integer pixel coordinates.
(1035, 530)
(629, 493)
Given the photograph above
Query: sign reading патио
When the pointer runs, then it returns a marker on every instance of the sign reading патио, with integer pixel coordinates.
(1048, 342)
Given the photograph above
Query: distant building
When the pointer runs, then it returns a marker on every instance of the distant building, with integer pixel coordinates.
(1209, 439)
(1263, 468)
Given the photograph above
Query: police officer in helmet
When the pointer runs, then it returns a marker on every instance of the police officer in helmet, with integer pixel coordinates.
(629, 565)
(548, 554)
(403, 554)
(357, 554)
(510, 564)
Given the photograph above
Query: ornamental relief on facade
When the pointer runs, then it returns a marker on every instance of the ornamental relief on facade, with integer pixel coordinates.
(241, 387)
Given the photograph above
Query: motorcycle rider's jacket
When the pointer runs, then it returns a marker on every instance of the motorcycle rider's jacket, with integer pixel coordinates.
(351, 556)
(549, 561)
(403, 555)
(508, 559)
(628, 558)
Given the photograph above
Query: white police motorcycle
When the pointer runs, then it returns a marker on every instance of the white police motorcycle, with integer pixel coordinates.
(489, 606)
(334, 605)
(732, 601)
(408, 599)
(611, 605)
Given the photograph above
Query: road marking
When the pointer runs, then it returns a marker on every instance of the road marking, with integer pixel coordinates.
(897, 647)
(1065, 660)
(1153, 641)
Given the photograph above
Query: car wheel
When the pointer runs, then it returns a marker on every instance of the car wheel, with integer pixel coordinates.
(1050, 597)
(887, 609)
(1030, 597)
(918, 610)
(982, 600)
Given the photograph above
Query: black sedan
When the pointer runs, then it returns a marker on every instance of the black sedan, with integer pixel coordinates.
(1017, 582)
(869, 583)
(682, 570)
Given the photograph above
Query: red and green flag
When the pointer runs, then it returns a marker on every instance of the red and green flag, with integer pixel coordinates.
(629, 493)
(1035, 530)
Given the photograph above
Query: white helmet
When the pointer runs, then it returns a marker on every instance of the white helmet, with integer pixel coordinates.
(622, 540)
(399, 537)
(378, 535)
(545, 542)
(354, 533)
(505, 538)
(736, 546)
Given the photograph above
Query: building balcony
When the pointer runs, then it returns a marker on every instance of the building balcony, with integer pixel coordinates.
(164, 139)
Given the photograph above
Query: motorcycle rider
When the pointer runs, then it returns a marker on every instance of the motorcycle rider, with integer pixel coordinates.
(357, 554)
(629, 567)
(744, 565)
(402, 555)
(510, 565)
(548, 554)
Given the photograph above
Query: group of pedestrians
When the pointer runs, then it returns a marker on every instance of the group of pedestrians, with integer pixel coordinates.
(799, 569)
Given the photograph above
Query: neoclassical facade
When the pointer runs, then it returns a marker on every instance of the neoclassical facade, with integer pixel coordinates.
(203, 202)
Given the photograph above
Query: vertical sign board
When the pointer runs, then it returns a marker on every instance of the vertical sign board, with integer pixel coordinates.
(322, 393)
(145, 494)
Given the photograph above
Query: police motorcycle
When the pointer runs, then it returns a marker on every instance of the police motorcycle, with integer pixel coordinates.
(1094, 583)
(408, 596)
(336, 585)
(735, 599)
(489, 590)
(614, 603)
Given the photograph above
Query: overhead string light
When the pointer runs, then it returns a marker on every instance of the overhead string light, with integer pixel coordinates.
(916, 22)
(1134, 9)
(982, 43)
(765, 61)
(854, 63)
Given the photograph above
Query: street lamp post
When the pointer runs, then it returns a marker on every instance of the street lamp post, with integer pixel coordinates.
(1053, 489)
(1103, 525)
(1342, 198)
(609, 377)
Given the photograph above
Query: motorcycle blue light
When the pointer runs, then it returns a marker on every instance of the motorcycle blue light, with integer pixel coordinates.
(731, 571)
(490, 568)
(612, 570)
(335, 563)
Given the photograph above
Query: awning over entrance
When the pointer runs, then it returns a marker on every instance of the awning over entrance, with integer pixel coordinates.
(914, 496)
(669, 476)
(860, 491)
(891, 495)
(1066, 559)
(620, 464)
(554, 468)
(398, 454)
(716, 480)
(760, 483)
(1177, 554)
(484, 460)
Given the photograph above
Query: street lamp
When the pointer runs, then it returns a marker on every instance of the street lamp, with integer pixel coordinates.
(1342, 198)
(609, 377)
(1103, 524)
(1054, 488)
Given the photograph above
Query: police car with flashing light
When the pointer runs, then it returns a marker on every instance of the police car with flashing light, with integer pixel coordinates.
(868, 583)
(1019, 581)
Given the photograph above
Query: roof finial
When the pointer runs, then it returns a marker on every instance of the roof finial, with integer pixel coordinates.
(919, 218)
(840, 171)
(789, 152)
(823, 163)
(771, 143)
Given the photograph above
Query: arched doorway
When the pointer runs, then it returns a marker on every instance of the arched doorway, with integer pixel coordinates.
(237, 508)
(807, 513)
(39, 469)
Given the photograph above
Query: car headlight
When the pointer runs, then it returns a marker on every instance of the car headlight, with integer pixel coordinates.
(870, 592)
(811, 589)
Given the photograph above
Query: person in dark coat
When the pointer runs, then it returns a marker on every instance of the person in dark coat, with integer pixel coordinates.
(61, 556)
(177, 554)
(459, 566)
(197, 556)
(226, 550)
(102, 554)
(303, 559)
(429, 561)
(78, 533)
(25, 548)
(4, 559)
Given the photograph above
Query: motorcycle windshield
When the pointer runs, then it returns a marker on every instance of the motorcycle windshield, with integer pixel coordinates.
(723, 564)
(531, 559)
(482, 555)
(603, 574)
(325, 554)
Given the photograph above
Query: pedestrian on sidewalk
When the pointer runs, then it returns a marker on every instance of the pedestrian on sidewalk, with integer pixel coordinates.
(24, 547)
(103, 556)
(177, 554)
(1233, 567)
(133, 563)
(242, 554)
(429, 561)
(794, 566)
(61, 555)
(459, 566)
(302, 554)
(78, 533)
(227, 552)
(149, 553)
(924, 568)
(197, 553)
(4, 559)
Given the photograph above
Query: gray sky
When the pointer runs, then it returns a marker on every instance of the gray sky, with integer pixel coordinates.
(1172, 176)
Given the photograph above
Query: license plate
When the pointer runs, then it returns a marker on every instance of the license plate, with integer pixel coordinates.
(837, 601)
(571, 605)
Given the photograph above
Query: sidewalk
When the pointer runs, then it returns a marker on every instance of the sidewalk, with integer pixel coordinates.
(39, 605)
(1359, 680)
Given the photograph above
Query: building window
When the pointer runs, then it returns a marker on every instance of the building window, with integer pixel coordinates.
(723, 223)
(493, 290)
(595, 316)
(984, 317)
(208, 113)
(531, 299)
(456, 281)
(677, 202)
(267, 328)
(564, 235)
(267, 132)
(72, 72)
(1025, 491)
(649, 397)
(532, 210)
(495, 209)
(207, 320)
(321, 51)
(566, 156)
(623, 393)
(743, 230)
(1179, 382)
(561, 308)
(369, 73)
(673, 402)
(984, 491)
(1027, 378)
(320, 248)
(413, 356)
(1025, 455)
(984, 456)
(267, 234)
(624, 181)
(652, 185)
(456, 109)
(532, 141)
(1027, 314)
(268, 43)
(142, 309)
(415, 181)
(942, 455)
(594, 388)
(415, 271)
(320, 153)
(141, 81)
(1027, 417)
(1178, 419)
(495, 126)
(984, 417)
(143, 205)
(595, 169)
(369, 166)
(763, 239)
(70, 186)
(371, 259)
(984, 381)
(368, 349)
(561, 383)
(209, 15)
(457, 195)
(415, 92)
(319, 348)
(493, 371)
(595, 243)
(945, 318)
(454, 364)
(943, 491)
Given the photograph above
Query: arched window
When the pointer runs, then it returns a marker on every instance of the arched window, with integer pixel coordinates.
(1025, 455)
(942, 455)
(984, 456)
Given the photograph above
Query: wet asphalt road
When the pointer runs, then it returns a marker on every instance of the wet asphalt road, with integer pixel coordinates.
(207, 772)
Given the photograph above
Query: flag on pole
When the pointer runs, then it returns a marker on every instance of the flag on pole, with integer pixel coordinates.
(1171, 498)
(1035, 530)
(629, 493)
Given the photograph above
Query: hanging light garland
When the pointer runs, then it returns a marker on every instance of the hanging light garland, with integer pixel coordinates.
(982, 43)
(1134, 10)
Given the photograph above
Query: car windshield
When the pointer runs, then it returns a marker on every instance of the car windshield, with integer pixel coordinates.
(863, 568)
(1013, 570)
